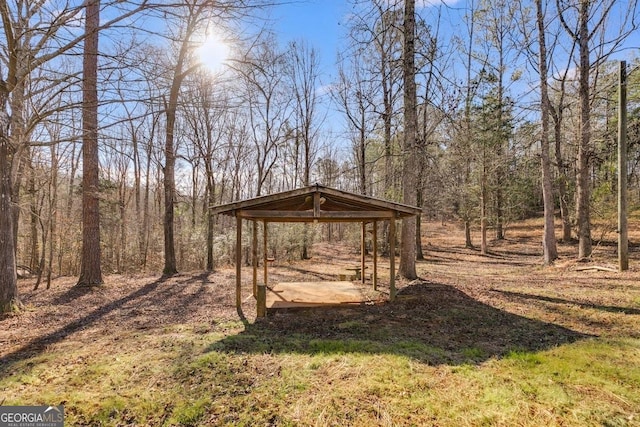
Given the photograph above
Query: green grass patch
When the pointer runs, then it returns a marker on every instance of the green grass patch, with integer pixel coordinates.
(185, 376)
(190, 412)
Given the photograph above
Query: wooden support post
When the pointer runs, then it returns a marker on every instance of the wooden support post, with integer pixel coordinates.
(316, 205)
(264, 248)
(261, 300)
(238, 262)
(392, 259)
(623, 232)
(363, 243)
(375, 255)
(254, 254)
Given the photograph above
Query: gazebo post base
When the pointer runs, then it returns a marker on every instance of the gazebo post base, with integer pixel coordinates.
(261, 300)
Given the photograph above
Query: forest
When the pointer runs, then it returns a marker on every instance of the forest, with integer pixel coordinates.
(117, 136)
(513, 126)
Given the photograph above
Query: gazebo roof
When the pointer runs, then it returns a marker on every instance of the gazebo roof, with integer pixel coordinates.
(316, 203)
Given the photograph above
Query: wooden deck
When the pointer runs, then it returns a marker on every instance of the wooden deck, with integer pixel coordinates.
(313, 294)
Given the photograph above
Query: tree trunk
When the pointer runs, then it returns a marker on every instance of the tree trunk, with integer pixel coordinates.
(34, 247)
(362, 155)
(170, 266)
(499, 202)
(483, 205)
(582, 178)
(468, 135)
(557, 114)
(43, 251)
(500, 148)
(419, 253)
(171, 106)
(384, 246)
(20, 150)
(53, 212)
(90, 273)
(387, 116)
(66, 227)
(562, 180)
(407, 267)
(549, 246)
(467, 235)
(304, 254)
(122, 206)
(210, 226)
(144, 236)
(211, 201)
(8, 278)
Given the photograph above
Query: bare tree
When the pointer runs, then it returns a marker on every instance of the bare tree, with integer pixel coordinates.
(304, 64)
(269, 106)
(463, 207)
(354, 96)
(34, 36)
(194, 19)
(585, 23)
(53, 202)
(582, 182)
(434, 105)
(8, 277)
(303, 70)
(208, 119)
(375, 32)
(407, 267)
(556, 110)
(501, 48)
(553, 102)
(26, 49)
(550, 250)
(144, 147)
(91, 271)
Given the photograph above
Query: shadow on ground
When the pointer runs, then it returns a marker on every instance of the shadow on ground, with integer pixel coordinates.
(429, 322)
(555, 300)
(164, 301)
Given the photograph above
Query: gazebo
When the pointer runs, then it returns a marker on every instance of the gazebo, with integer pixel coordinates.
(315, 203)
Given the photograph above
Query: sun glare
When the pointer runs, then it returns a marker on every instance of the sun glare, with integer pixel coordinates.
(213, 53)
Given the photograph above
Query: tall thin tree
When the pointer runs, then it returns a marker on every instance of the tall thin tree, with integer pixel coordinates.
(549, 246)
(407, 267)
(90, 272)
(586, 21)
(181, 69)
(8, 277)
(304, 63)
(583, 188)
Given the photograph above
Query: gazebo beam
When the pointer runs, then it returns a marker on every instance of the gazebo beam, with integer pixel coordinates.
(310, 216)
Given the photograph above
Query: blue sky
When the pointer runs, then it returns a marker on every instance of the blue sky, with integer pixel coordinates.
(319, 22)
